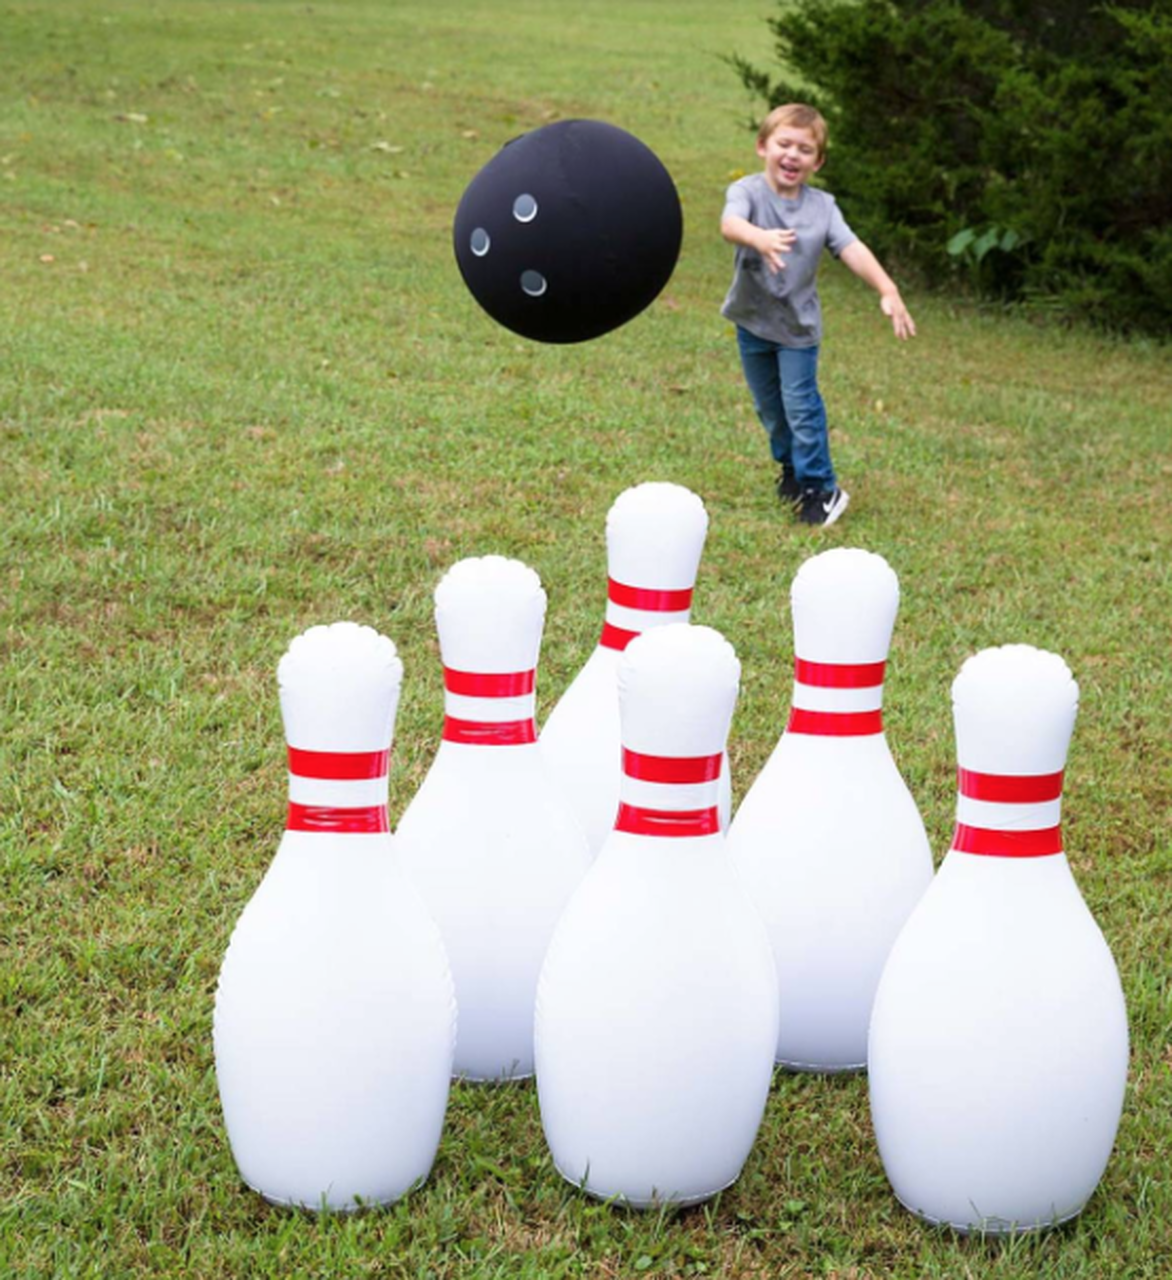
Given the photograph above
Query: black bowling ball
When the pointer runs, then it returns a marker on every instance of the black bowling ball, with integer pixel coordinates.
(569, 231)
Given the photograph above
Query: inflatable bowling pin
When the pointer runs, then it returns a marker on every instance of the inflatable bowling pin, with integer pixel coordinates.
(335, 1018)
(489, 840)
(999, 1038)
(654, 538)
(828, 838)
(657, 1007)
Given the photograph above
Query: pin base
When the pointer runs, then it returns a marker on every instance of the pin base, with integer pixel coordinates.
(992, 1226)
(320, 1206)
(821, 1069)
(647, 1202)
(505, 1077)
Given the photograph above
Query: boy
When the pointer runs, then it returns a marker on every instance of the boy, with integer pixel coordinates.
(780, 227)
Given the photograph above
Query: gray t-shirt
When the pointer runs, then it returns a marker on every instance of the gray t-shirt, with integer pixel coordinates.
(783, 306)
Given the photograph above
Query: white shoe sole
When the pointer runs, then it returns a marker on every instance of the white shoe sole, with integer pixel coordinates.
(839, 504)
(839, 507)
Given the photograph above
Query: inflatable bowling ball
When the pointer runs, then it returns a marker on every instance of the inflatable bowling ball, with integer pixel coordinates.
(569, 231)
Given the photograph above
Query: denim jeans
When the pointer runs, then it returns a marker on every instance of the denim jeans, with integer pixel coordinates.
(784, 385)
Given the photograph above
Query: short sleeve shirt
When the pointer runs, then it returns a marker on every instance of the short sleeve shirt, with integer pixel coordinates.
(783, 306)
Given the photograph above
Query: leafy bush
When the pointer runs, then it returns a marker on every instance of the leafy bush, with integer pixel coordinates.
(1027, 145)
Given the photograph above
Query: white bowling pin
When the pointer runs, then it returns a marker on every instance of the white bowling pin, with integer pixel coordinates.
(654, 539)
(828, 839)
(657, 1007)
(335, 1016)
(998, 1042)
(488, 838)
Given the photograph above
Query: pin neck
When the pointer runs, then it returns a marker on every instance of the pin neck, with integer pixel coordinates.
(835, 724)
(333, 820)
(616, 637)
(652, 599)
(490, 709)
(1007, 788)
(339, 766)
(837, 699)
(668, 796)
(1008, 815)
(637, 821)
(1007, 844)
(338, 792)
(840, 675)
(633, 610)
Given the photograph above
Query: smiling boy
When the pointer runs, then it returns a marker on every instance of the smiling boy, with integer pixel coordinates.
(780, 226)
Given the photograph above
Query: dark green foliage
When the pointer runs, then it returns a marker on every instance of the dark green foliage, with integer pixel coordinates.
(1027, 146)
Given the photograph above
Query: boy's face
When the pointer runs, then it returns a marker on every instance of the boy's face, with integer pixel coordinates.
(791, 158)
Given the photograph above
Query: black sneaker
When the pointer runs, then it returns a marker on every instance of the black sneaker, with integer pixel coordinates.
(823, 506)
(788, 489)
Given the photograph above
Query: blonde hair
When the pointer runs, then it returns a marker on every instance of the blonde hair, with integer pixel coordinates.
(797, 116)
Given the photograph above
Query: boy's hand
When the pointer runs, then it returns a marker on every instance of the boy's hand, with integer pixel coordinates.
(773, 246)
(891, 304)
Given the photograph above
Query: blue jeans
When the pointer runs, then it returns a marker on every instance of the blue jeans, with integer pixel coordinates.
(784, 384)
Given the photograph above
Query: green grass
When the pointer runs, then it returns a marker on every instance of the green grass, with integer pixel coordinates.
(243, 390)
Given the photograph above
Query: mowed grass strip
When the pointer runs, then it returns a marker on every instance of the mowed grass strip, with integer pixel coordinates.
(244, 391)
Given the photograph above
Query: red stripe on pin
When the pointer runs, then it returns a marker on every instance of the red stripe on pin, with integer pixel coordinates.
(1007, 788)
(339, 766)
(679, 769)
(1007, 844)
(648, 597)
(835, 724)
(368, 820)
(637, 821)
(839, 675)
(489, 733)
(484, 684)
(616, 637)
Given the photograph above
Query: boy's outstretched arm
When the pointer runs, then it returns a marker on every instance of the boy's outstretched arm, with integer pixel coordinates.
(771, 245)
(866, 266)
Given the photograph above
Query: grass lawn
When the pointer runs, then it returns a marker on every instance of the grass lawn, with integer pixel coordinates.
(243, 390)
